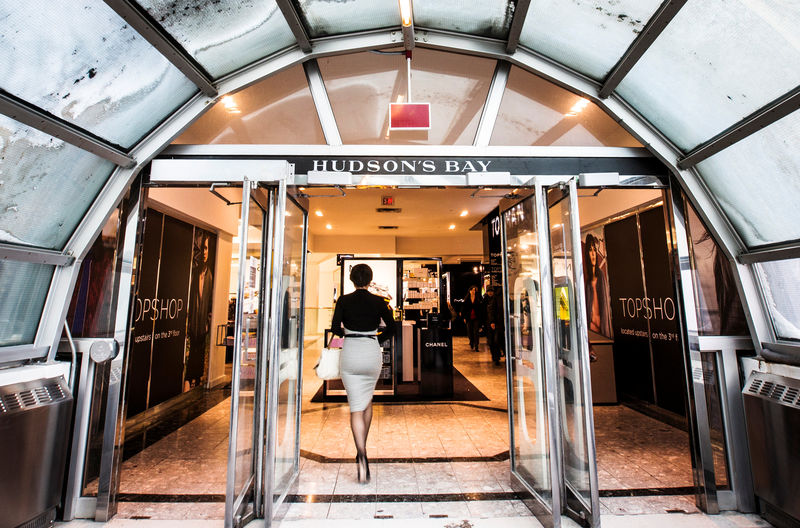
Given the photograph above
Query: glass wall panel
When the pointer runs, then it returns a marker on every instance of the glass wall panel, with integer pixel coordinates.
(92, 309)
(779, 281)
(488, 18)
(81, 62)
(289, 348)
(537, 112)
(334, 17)
(361, 86)
(46, 185)
(589, 37)
(277, 110)
(224, 36)
(526, 353)
(23, 288)
(715, 63)
(757, 183)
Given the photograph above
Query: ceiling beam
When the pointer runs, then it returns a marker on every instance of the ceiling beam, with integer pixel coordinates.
(762, 118)
(657, 23)
(162, 41)
(35, 117)
(517, 22)
(295, 24)
(35, 255)
(492, 106)
(319, 94)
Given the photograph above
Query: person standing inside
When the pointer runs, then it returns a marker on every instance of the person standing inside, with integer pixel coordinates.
(357, 318)
(202, 292)
(472, 314)
(494, 322)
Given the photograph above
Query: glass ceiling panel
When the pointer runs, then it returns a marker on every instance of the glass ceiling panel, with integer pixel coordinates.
(487, 18)
(24, 286)
(757, 183)
(781, 292)
(46, 186)
(81, 62)
(334, 17)
(361, 86)
(223, 37)
(537, 112)
(277, 110)
(715, 63)
(589, 37)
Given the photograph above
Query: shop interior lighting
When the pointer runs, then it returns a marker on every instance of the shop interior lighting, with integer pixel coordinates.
(406, 13)
(328, 226)
(578, 107)
(318, 212)
(452, 227)
(230, 105)
(464, 213)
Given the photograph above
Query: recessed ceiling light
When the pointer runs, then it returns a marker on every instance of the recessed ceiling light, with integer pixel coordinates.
(452, 227)
(464, 213)
(328, 226)
(318, 212)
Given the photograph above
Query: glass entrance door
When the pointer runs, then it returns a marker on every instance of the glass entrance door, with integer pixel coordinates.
(264, 449)
(550, 410)
(575, 416)
(250, 365)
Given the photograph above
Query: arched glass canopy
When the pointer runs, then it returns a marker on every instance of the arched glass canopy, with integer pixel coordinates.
(90, 90)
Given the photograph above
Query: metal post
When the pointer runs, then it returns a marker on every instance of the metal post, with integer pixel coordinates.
(300, 347)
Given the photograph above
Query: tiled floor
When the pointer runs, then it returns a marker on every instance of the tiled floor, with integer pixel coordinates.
(449, 453)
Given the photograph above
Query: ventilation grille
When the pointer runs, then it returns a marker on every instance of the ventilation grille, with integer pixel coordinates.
(44, 520)
(388, 210)
(35, 397)
(388, 227)
(774, 390)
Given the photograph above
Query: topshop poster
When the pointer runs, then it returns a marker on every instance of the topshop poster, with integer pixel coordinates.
(595, 276)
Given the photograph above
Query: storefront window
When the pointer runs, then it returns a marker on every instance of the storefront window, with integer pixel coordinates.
(719, 308)
(537, 112)
(779, 281)
(278, 110)
(24, 286)
(361, 86)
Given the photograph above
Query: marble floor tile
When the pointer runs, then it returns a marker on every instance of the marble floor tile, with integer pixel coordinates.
(352, 510)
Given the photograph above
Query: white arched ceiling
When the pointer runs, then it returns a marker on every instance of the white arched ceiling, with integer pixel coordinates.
(193, 47)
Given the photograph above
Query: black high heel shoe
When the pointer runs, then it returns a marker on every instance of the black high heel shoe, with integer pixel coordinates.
(366, 464)
(362, 471)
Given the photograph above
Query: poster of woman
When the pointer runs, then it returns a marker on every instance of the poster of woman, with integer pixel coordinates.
(595, 276)
(201, 294)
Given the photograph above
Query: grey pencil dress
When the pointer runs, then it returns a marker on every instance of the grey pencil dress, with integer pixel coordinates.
(357, 317)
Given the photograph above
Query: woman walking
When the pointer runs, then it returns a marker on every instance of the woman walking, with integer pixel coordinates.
(357, 317)
(472, 315)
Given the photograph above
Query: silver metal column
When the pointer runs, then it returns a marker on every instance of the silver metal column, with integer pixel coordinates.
(300, 345)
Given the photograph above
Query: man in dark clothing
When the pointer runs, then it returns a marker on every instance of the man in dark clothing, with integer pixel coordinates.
(495, 330)
(472, 314)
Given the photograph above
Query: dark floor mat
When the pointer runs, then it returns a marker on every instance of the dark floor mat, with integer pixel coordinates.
(463, 390)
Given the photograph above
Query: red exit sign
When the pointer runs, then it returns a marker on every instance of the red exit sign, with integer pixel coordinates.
(409, 116)
(387, 200)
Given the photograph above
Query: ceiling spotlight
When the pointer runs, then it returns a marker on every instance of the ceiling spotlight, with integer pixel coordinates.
(328, 226)
(578, 107)
(406, 15)
(452, 227)
(464, 213)
(318, 212)
(230, 105)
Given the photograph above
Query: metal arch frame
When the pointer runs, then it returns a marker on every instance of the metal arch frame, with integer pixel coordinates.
(164, 43)
(517, 23)
(524, 58)
(657, 23)
(319, 94)
(295, 23)
(491, 108)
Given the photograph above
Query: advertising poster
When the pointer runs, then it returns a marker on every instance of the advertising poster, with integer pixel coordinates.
(169, 311)
(595, 276)
(632, 364)
(144, 324)
(384, 278)
(201, 293)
